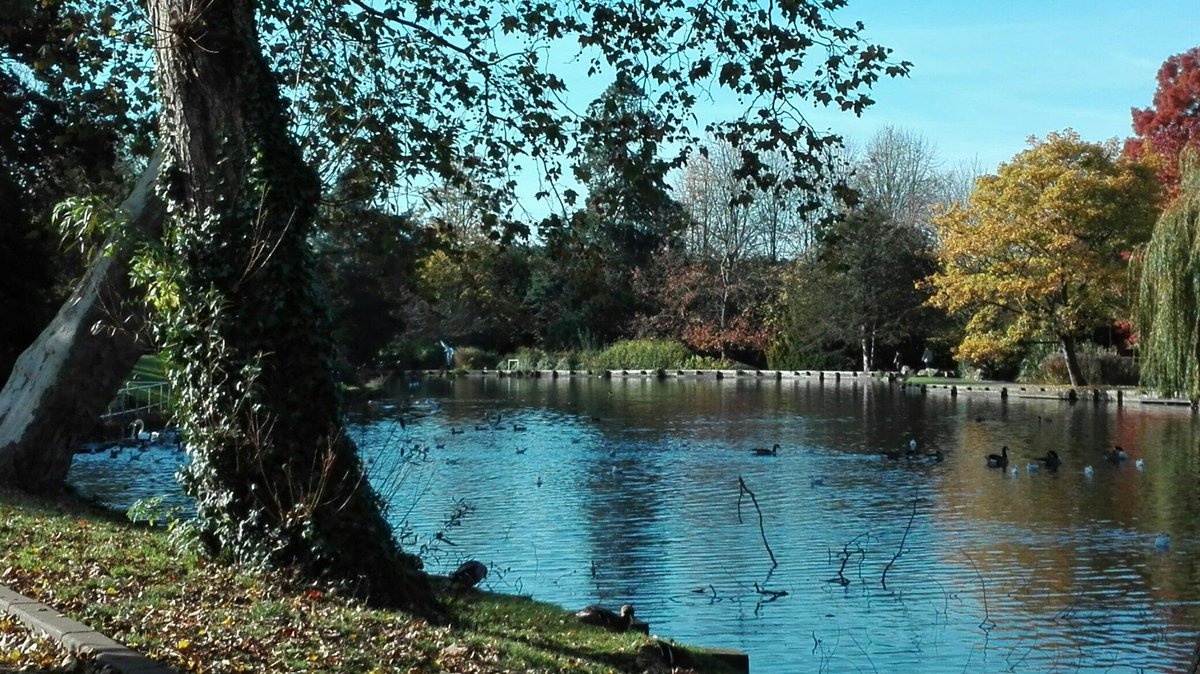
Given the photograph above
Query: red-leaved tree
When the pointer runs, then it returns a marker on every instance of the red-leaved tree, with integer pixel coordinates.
(1173, 121)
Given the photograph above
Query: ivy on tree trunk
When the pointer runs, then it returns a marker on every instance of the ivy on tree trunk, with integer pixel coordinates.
(276, 481)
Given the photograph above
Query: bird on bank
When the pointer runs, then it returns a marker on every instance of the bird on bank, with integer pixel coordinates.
(1088, 471)
(1140, 464)
(1117, 454)
(602, 617)
(773, 451)
(469, 574)
(998, 460)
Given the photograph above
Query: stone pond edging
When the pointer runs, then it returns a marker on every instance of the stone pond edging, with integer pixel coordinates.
(1097, 394)
(76, 637)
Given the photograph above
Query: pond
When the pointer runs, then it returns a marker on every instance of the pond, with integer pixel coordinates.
(627, 491)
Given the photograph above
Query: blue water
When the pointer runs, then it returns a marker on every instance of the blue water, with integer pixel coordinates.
(627, 492)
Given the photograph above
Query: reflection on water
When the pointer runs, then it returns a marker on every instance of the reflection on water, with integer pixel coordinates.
(626, 492)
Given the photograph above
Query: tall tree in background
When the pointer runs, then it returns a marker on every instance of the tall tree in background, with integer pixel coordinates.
(629, 205)
(721, 295)
(899, 174)
(1169, 295)
(628, 217)
(368, 262)
(1173, 122)
(1040, 250)
(724, 234)
(474, 293)
(859, 289)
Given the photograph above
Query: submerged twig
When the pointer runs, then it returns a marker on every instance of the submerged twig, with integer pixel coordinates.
(743, 489)
(900, 550)
(845, 554)
(771, 595)
(987, 624)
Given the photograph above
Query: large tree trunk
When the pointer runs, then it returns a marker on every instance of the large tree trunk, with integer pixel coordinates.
(276, 481)
(63, 382)
(1073, 369)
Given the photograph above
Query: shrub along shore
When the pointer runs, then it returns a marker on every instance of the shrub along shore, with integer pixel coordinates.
(144, 587)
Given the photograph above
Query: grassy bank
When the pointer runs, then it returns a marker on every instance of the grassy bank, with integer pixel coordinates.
(135, 584)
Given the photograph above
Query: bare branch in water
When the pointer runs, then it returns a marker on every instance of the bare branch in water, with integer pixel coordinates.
(987, 624)
(743, 489)
(846, 555)
(771, 595)
(900, 550)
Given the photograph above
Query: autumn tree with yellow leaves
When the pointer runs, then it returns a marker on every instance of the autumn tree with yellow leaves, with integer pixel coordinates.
(1040, 250)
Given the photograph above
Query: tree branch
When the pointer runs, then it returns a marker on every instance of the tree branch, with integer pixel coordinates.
(743, 489)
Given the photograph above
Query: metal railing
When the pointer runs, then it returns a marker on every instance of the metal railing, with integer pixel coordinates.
(139, 398)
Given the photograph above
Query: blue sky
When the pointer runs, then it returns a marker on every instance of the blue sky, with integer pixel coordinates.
(989, 74)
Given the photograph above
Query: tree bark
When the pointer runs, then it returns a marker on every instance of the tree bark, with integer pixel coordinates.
(1074, 371)
(63, 382)
(275, 479)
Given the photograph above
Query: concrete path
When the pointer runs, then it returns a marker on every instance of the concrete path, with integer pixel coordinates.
(76, 637)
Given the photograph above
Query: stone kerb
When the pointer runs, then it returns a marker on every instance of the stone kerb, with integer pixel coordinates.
(1095, 395)
(75, 636)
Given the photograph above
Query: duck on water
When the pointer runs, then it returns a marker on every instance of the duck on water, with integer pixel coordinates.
(998, 460)
(1051, 460)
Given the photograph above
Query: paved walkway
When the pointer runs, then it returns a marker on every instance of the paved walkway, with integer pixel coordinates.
(76, 637)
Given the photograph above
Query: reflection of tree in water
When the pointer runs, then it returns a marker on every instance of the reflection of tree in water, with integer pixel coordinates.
(627, 524)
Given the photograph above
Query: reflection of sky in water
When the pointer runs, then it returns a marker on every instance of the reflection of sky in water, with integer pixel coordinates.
(638, 502)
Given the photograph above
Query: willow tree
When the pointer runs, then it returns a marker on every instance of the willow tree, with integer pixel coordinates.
(1039, 250)
(257, 101)
(1169, 294)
